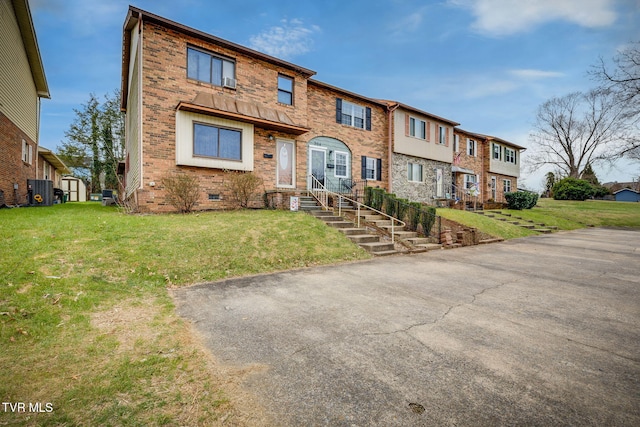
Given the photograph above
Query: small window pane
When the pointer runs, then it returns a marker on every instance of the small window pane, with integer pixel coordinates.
(198, 65)
(230, 144)
(216, 71)
(228, 69)
(205, 141)
(285, 97)
(285, 83)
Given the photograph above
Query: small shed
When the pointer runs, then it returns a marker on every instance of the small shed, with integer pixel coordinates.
(627, 195)
(74, 188)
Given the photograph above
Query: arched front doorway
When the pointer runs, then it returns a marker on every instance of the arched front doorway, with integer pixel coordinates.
(329, 161)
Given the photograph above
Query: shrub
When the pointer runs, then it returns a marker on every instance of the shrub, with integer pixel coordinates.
(183, 191)
(390, 204)
(427, 219)
(242, 187)
(413, 219)
(377, 198)
(572, 189)
(521, 200)
(368, 195)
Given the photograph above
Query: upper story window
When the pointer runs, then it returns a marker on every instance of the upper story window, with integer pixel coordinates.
(442, 135)
(218, 142)
(471, 147)
(210, 68)
(285, 90)
(353, 115)
(456, 143)
(509, 155)
(496, 151)
(417, 128)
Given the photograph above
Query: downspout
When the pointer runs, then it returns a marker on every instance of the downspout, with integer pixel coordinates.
(37, 134)
(390, 110)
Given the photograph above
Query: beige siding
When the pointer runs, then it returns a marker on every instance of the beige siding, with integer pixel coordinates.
(18, 97)
(184, 142)
(134, 173)
(417, 147)
(499, 166)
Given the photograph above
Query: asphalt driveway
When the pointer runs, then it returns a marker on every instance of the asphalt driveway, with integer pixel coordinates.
(536, 331)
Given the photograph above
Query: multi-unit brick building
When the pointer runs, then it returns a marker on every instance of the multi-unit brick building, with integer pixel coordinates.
(484, 167)
(200, 105)
(22, 85)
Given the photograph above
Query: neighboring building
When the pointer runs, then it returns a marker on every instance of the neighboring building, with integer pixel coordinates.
(468, 166)
(50, 167)
(22, 84)
(422, 154)
(627, 195)
(503, 169)
(200, 105)
(485, 166)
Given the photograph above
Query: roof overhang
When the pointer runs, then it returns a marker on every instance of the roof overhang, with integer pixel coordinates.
(134, 15)
(30, 42)
(458, 169)
(242, 111)
(423, 113)
(54, 160)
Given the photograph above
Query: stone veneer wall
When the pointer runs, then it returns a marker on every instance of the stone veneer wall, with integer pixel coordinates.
(419, 192)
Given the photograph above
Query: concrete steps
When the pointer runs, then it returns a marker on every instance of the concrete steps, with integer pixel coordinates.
(520, 221)
(361, 236)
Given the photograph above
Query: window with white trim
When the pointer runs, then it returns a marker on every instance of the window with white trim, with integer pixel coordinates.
(507, 186)
(509, 155)
(27, 152)
(353, 115)
(217, 142)
(496, 151)
(442, 135)
(414, 172)
(471, 147)
(342, 160)
(371, 168)
(417, 128)
(210, 68)
(456, 143)
(470, 181)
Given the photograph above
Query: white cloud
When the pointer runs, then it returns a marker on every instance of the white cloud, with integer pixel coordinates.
(285, 41)
(530, 74)
(504, 17)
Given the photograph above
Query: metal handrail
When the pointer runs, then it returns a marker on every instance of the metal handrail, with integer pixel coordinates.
(321, 194)
(466, 195)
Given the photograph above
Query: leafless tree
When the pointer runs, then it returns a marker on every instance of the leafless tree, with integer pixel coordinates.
(623, 79)
(577, 129)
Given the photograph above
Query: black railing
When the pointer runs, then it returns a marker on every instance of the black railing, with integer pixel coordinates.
(419, 218)
(352, 188)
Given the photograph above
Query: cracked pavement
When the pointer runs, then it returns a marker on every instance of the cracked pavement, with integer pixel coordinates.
(537, 331)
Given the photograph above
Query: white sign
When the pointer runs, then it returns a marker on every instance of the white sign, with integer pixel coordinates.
(294, 202)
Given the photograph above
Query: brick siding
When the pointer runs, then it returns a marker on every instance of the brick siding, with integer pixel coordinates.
(12, 169)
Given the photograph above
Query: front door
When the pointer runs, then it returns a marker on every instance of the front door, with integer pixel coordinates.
(317, 164)
(493, 188)
(286, 161)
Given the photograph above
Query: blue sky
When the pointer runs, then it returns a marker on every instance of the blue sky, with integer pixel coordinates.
(487, 64)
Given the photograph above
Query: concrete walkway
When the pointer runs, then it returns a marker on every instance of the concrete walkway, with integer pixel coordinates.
(537, 331)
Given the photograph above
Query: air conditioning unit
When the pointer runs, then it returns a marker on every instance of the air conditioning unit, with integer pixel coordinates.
(229, 82)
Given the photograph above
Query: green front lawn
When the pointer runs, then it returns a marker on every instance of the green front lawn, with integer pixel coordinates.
(87, 323)
(566, 215)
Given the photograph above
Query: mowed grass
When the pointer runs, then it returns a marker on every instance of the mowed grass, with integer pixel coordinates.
(566, 215)
(87, 324)
(486, 225)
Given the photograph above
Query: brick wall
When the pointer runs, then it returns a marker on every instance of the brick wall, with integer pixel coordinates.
(165, 85)
(361, 142)
(12, 169)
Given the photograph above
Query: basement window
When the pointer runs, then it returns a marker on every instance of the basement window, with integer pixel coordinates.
(214, 197)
